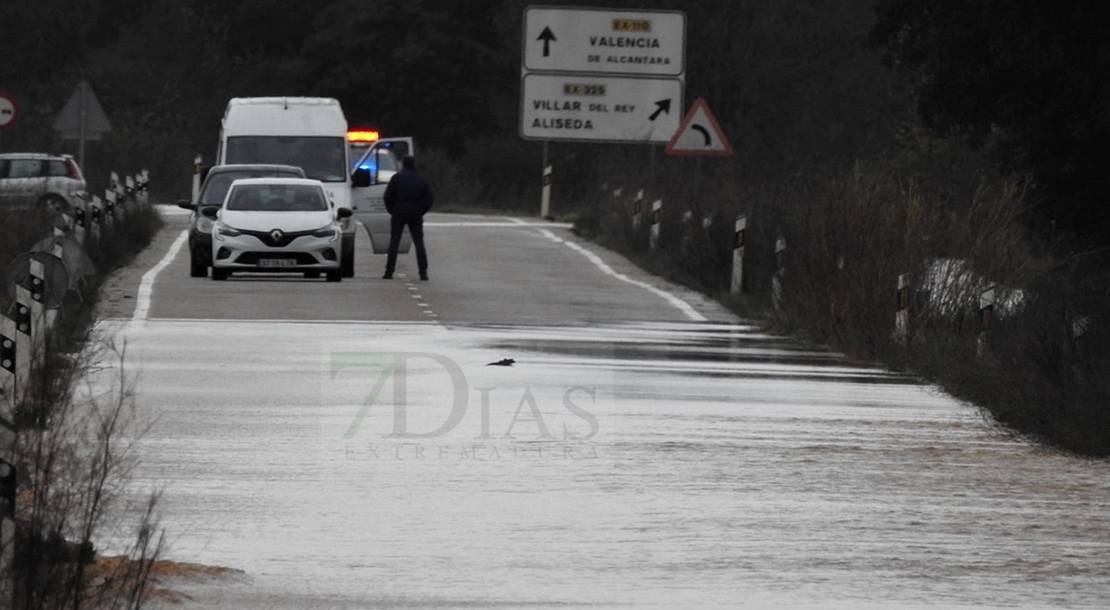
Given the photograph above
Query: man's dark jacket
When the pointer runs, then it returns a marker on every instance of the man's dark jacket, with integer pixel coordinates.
(408, 193)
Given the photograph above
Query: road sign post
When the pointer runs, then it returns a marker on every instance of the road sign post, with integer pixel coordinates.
(601, 75)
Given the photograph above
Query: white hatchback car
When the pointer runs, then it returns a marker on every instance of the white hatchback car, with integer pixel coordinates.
(277, 225)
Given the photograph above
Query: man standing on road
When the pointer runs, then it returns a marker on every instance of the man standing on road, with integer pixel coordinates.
(408, 197)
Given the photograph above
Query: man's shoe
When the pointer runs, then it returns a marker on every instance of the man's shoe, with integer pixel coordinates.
(424, 277)
(388, 275)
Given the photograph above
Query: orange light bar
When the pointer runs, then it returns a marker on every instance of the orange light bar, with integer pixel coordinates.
(363, 135)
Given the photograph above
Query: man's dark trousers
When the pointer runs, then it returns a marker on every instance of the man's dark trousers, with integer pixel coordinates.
(397, 224)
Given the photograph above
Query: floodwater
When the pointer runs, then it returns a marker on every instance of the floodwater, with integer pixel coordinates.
(638, 466)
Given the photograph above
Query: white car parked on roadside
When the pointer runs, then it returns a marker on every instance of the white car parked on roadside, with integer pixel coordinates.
(37, 180)
(277, 225)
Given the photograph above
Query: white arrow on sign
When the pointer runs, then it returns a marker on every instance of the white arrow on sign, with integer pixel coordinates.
(644, 42)
(577, 107)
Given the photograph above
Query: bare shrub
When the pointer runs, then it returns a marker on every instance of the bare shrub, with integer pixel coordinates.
(73, 470)
(75, 451)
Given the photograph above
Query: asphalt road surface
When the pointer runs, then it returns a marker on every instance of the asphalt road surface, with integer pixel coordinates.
(484, 270)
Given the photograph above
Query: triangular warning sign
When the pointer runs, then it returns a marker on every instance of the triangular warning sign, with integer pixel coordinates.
(82, 102)
(699, 134)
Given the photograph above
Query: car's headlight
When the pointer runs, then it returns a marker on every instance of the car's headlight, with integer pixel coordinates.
(330, 232)
(223, 231)
(204, 224)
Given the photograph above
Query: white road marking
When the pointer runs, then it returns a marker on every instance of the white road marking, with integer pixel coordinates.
(146, 287)
(678, 303)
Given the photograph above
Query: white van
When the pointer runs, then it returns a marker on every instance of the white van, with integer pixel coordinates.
(311, 132)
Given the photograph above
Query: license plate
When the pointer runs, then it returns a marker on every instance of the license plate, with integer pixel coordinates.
(277, 262)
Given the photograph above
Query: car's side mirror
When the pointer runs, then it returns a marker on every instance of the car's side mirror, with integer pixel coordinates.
(185, 204)
(360, 177)
(343, 213)
(210, 211)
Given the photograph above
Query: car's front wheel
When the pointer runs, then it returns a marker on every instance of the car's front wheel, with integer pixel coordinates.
(335, 276)
(197, 269)
(220, 274)
(347, 265)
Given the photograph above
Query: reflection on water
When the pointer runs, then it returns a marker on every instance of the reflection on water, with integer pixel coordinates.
(705, 466)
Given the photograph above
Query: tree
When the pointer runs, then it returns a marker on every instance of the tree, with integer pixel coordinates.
(1027, 76)
(405, 66)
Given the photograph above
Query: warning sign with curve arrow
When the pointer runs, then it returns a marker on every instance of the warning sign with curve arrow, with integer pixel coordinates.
(699, 134)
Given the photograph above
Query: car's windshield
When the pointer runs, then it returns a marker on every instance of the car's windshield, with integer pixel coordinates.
(321, 157)
(217, 183)
(277, 198)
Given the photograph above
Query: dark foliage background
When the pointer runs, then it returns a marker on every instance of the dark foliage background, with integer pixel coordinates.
(869, 131)
(797, 85)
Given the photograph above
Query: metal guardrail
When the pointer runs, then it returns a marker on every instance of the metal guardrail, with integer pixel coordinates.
(37, 283)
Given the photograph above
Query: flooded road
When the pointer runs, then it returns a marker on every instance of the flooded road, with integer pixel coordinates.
(651, 465)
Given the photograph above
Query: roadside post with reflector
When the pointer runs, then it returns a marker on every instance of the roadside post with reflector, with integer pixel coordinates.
(986, 309)
(79, 218)
(36, 285)
(902, 315)
(780, 270)
(986, 317)
(638, 209)
(545, 203)
(687, 229)
(196, 177)
(1080, 325)
(95, 216)
(141, 184)
(110, 207)
(23, 346)
(131, 196)
(656, 219)
(8, 353)
(738, 255)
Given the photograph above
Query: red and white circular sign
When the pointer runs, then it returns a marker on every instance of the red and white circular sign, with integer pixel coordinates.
(9, 111)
